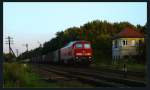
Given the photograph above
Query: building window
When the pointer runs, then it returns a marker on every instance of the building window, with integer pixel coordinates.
(140, 42)
(115, 43)
(124, 42)
(133, 43)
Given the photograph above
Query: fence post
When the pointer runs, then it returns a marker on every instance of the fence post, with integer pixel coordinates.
(125, 70)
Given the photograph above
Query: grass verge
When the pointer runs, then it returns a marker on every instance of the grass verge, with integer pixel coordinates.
(21, 75)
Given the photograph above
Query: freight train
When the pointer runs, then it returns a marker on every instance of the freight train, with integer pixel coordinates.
(75, 52)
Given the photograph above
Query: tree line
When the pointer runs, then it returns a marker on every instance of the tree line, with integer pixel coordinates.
(99, 33)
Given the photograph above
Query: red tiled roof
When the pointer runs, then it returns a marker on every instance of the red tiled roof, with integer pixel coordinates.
(129, 33)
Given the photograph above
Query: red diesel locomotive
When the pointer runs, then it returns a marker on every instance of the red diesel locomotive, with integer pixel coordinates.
(76, 52)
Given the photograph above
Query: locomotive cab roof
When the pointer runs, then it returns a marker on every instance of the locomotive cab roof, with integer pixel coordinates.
(72, 42)
(80, 41)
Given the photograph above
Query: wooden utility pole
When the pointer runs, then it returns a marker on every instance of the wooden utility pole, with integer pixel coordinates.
(40, 45)
(26, 45)
(17, 51)
(9, 42)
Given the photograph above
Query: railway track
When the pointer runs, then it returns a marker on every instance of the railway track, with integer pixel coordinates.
(139, 76)
(93, 78)
(53, 76)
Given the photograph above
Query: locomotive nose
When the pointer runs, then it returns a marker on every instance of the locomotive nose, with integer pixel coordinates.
(83, 51)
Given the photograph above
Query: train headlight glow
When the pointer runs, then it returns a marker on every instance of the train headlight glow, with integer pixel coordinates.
(78, 53)
(76, 57)
(88, 53)
(90, 57)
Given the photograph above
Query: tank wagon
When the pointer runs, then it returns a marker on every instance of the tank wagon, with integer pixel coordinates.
(72, 53)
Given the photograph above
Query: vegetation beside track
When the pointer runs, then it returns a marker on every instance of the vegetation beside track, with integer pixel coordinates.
(132, 64)
(135, 71)
(131, 67)
(20, 75)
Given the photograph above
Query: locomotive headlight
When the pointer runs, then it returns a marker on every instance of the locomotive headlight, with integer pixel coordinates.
(88, 53)
(78, 53)
(77, 57)
(90, 57)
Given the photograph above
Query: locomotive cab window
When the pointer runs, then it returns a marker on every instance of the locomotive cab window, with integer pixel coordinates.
(87, 46)
(78, 45)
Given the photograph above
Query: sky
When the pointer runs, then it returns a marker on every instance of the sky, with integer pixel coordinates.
(38, 22)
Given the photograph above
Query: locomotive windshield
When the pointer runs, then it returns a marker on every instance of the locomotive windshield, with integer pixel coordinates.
(87, 46)
(78, 45)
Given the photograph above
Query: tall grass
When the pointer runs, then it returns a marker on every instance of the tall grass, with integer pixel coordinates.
(18, 75)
